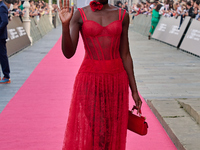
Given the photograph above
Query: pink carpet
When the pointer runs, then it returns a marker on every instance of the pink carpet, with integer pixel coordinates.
(36, 117)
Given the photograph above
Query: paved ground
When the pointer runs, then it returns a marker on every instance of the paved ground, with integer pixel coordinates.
(169, 80)
(23, 63)
(162, 71)
(165, 77)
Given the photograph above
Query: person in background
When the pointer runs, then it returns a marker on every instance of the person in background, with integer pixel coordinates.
(166, 5)
(142, 9)
(171, 5)
(4, 6)
(16, 10)
(119, 4)
(168, 8)
(152, 6)
(190, 9)
(192, 2)
(21, 6)
(33, 11)
(31, 3)
(54, 14)
(175, 6)
(148, 4)
(155, 19)
(137, 9)
(196, 8)
(41, 10)
(123, 6)
(179, 9)
(132, 9)
(198, 15)
(46, 9)
(38, 8)
(184, 10)
(147, 8)
(126, 6)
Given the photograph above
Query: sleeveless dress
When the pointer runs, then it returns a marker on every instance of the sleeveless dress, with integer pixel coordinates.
(98, 114)
(154, 20)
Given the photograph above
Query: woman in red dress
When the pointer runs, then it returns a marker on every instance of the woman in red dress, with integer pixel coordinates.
(98, 113)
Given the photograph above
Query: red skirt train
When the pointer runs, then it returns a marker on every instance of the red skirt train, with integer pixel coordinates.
(98, 113)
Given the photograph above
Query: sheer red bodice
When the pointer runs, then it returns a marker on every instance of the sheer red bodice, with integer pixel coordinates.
(101, 43)
(99, 108)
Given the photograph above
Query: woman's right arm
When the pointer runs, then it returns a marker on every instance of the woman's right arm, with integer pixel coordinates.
(70, 29)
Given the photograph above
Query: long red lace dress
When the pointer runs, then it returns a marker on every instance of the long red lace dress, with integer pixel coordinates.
(99, 108)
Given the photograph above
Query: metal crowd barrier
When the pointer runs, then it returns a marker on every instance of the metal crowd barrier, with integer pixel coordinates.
(35, 32)
(191, 41)
(17, 36)
(41, 27)
(186, 37)
(141, 23)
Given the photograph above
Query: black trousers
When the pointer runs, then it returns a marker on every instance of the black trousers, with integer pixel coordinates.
(4, 58)
(181, 21)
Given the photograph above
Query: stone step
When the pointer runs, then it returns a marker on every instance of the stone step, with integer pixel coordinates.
(179, 125)
(192, 107)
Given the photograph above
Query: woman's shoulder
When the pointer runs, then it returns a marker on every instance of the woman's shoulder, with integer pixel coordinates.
(86, 8)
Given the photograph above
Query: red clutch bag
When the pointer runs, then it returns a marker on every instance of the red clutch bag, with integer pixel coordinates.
(136, 123)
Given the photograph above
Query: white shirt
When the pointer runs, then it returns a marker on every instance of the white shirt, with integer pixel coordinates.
(179, 10)
(152, 6)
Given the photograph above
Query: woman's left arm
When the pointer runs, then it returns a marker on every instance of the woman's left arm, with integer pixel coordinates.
(127, 61)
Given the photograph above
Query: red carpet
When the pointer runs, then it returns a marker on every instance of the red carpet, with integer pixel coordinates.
(36, 117)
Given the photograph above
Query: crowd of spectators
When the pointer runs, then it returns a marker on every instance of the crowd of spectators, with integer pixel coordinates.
(121, 5)
(37, 9)
(169, 8)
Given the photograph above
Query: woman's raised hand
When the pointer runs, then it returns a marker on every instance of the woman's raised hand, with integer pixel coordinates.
(65, 13)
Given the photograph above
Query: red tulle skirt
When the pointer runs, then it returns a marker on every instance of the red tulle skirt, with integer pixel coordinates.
(98, 113)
